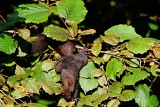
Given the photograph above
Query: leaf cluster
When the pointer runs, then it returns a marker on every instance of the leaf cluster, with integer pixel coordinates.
(122, 65)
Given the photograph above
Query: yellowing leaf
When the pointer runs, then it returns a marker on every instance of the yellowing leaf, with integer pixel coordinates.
(124, 32)
(127, 95)
(111, 39)
(97, 46)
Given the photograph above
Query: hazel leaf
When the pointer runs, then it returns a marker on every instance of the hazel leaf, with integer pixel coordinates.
(56, 33)
(72, 10)
(33, 13)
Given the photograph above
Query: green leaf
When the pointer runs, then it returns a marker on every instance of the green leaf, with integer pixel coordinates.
(153, 101)
(33, 13)
(31, 85)
(113, 103)
(19, 93)
(20, 73)
(24, 33)
(32, 105)
(56, 33)
(87, 100)
(98, 60)
(142, 95)
(135, 77)
(100, 98)
(139, 45)
(115, 88)
(130, 63)
(153, 26)
(63, 103)
(88, 84)
(7, 44)
(111, 39)
(127, 95)
(72, 10)
(97, 46)
(102, 81)
(113, 67)
(124, 32)
(48, 64)
(51, 88)
(2, 80)
(127, 53)
(88, 70)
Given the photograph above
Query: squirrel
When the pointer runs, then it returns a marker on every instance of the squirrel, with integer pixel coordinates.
(69, 66)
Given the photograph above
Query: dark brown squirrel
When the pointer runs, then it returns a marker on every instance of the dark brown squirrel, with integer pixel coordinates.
(69, 66)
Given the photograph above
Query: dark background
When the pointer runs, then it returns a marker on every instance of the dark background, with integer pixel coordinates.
(102, 14)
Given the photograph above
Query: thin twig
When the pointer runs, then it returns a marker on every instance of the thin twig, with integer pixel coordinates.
(9, 97)
(2, 18)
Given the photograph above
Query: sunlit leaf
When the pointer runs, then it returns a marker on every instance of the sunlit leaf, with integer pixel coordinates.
(100, 98)
(87, 32)
(63, 103)
(87, 100)
(72, 10)
(115, 88)
(111, 39)
(19, 93)
(24, 33)
(98, 60)
(112, 68)
(124, 32)
(127, 53)
(51, 88)
(48, 64)
(7, 44)
(20, 73)
(102, 81)
(31, 85)
(97, 46)
(139, 45)
(88, 70)
(153, 26)
(113, 103)
(33, 13)
(88, 84)
(142, 95)
(127, 95)
(56, 33)
(153, 101)
(135, 77)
